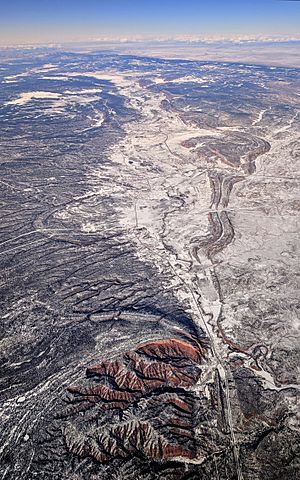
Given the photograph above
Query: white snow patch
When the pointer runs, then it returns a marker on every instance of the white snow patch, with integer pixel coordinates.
(259, 117)
(28, 96)
(64, 79)
(85, 91)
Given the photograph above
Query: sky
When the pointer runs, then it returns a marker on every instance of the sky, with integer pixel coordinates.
(41, 21)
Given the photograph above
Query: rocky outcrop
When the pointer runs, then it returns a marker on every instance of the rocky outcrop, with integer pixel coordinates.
(148, 390)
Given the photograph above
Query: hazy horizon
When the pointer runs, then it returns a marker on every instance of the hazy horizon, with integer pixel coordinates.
(45, 21)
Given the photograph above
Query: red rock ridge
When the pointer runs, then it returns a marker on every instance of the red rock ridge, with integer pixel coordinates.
(142, 375)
